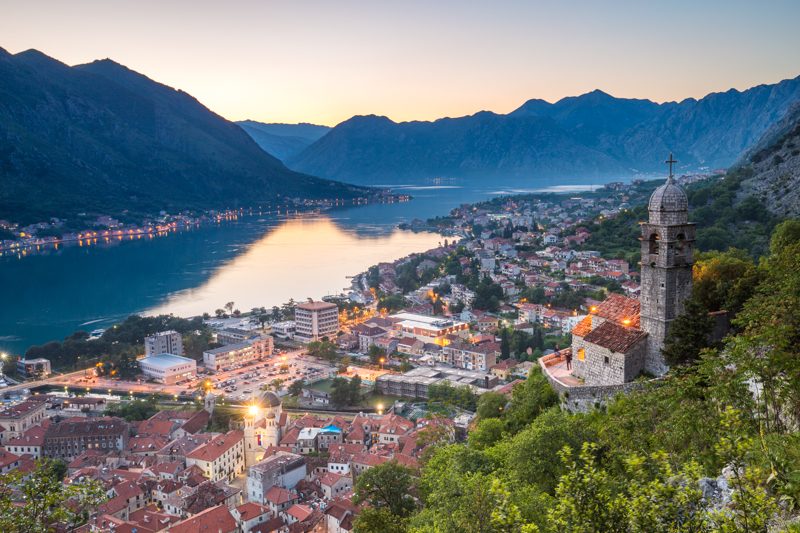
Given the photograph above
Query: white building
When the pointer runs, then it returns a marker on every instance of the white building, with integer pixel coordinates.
(285, 329)
(429, 328)
(282, 470)
(314, 320)
(235, 354)
(164, 342)
(222, 458)
(168, 368)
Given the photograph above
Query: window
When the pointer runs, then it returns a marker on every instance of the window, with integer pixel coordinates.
(653, 241)
(605, 359)
(581, 354)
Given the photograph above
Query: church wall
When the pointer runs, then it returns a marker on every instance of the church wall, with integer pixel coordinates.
(604, 367)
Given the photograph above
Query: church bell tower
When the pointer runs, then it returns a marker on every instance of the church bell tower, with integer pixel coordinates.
(667, 244)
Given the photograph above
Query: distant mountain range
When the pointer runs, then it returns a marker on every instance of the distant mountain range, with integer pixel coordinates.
(100, 138)
(593, 135)
(283, 140)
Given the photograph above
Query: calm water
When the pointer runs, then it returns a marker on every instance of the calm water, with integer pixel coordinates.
(254, 262)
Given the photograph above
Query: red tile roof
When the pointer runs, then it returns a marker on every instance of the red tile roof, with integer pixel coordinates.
(618, 308)
(278, 495)
(583, 327)
(615, 337)
(217, 446)
(214, 520)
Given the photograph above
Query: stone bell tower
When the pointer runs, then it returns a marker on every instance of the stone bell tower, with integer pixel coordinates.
(667, 244)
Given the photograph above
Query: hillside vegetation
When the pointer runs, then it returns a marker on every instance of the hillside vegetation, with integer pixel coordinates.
(702, 451)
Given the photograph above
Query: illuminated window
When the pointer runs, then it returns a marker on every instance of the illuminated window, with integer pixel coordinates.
(581, 354)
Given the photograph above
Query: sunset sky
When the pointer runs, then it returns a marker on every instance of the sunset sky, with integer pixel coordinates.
(324, 61)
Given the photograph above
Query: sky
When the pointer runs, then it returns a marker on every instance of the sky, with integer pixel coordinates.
(325, 61)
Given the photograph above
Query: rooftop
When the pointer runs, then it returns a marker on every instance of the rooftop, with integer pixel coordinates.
(166, 360)
(316, 306)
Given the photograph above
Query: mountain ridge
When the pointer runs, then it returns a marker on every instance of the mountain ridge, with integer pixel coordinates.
(102, 138)
(612, 136)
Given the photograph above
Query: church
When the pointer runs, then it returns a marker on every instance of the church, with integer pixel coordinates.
(622, 337)
(264, 425)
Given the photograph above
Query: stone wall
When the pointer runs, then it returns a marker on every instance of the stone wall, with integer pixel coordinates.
(601, 366)
(587, 397)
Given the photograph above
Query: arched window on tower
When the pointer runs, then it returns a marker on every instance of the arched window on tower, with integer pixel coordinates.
(680, 247)
(654, 244)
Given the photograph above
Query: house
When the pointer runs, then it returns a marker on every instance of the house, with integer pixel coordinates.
(214, 520)
(278, 499)
(333, 484)
(250, 515)
(504, 368)
(222, 458)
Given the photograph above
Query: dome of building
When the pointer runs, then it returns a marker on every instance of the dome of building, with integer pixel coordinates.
(269, 399)
(669, 198)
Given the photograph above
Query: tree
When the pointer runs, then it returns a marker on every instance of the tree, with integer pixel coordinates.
(133, 410)
(505, 344)
(529, 399)
(371, 520)
(387, 486)
(323, 349)
(376, 353)
(296, 388)
(229, 307)
(491, 405)
(355, 390)
(340, 392)
(48, 504)
(689, 334)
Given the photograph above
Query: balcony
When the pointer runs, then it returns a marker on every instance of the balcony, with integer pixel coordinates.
(554, 367)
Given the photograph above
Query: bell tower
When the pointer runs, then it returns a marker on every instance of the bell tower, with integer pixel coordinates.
(667, 244)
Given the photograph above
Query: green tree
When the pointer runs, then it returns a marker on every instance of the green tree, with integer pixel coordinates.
(491, 405)
(48, 505)
(340, 392)
(387, 486)
(529, 399)
(355, 390)
(133, 410)
(296, 388)
(689, 334)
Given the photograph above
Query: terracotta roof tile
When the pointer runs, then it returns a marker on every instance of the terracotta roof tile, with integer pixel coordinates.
(615, 337)
(618, 308)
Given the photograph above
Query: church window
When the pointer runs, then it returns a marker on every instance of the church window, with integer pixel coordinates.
(606, 360)
(581, 354)
(654, 243)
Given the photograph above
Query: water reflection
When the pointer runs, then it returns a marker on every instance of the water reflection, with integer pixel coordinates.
(301, 258)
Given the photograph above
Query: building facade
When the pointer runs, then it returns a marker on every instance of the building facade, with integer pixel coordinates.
(68, 439)
(283, 470)
(229, 355)
(163, 342)
(315, 320)
(167, 368)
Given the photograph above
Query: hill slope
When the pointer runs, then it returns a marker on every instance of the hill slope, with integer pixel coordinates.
(775, 166)
(593, 134)
(283, 140)
(100, 138)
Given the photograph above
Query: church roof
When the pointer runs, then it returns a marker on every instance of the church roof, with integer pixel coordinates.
(270, 399)
(669, 197)
(615, 337)
(583, 327)
(619, 309)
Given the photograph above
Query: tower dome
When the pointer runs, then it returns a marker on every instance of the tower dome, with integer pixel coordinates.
(668, 204)
(669, 198)
(269, 399)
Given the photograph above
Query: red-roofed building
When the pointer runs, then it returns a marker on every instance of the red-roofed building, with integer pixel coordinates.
(214, 520)
(222, 458)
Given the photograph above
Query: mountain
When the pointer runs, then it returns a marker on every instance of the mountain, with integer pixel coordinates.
(373, 149)
(101, 138)
(283, 140)
(594, 134)
(773, 167)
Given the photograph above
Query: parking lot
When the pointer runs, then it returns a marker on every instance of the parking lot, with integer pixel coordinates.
(243, 382)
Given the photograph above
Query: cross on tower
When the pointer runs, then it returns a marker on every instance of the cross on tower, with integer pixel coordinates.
(670, 162)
